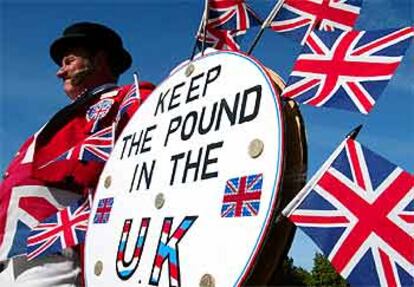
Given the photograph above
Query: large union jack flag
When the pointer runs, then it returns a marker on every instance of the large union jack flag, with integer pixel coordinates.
(297, 18)
(242, 196)
(232, 15)
(64, 229)
(359, 209)
(347, 70)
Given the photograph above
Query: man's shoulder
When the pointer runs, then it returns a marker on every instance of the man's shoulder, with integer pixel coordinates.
(122, 91)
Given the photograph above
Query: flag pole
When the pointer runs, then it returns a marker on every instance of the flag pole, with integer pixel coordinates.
(200, 29)
(136, 82)
(309, 185)
(265, 24)
(196, 37)
(205, 22)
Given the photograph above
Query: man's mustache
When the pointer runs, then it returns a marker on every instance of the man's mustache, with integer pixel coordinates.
(77, 77)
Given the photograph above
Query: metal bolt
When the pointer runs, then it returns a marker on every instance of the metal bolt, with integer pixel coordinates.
(256, 147)
(207, 280)
(108, 181)
(159, 201)
(98, 268)
(6, 175)
(189, 70)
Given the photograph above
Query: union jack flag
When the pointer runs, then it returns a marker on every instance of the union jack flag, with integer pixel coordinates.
(297, 18)
(96, 147)
(131, 99)
(347, 70)
(64, 229)
(231, 15)
(103, 210)
(242, 196)
(359, 209)
(220, 39)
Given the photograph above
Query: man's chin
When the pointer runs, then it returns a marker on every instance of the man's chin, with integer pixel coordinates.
(71, 91)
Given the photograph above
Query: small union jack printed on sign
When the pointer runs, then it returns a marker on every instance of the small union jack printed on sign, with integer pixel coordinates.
(359, 211)
(104, 210)
(242, 196)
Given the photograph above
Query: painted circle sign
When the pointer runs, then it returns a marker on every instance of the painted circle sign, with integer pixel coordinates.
(188, 193)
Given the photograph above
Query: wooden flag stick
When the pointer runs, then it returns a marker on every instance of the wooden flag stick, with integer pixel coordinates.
(265, 24)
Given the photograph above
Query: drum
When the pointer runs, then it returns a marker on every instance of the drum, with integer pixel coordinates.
(192, 192)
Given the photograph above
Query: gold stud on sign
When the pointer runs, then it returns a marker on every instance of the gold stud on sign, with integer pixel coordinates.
(159, 201)
(189, 70)
(207, 281)
(108, 181)
(98, 267)
(256, 147)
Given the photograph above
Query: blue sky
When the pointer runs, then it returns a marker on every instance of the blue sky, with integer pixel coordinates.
(160, 34)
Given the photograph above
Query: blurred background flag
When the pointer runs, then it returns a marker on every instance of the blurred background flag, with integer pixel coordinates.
(232, 15)
(298, 18)
(227, 21)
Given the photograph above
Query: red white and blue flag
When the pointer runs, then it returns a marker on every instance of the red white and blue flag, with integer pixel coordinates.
(297, 18)
(64, 229)
(359, 209)
(103, 211)
(242, 196)
(131, 99)
(347, 70)
(97, 147)
(231, 15)
(220, 39)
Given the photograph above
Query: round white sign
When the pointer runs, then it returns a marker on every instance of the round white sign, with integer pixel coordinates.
(189, 191)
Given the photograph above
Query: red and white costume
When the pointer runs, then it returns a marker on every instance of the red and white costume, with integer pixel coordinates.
(36, 185)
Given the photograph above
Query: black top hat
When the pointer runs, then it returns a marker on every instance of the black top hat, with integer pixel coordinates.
(95, 36)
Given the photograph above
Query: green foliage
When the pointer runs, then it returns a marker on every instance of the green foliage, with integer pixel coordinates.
(322, 274)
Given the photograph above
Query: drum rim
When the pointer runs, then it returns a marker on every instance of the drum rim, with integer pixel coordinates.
(277, 182)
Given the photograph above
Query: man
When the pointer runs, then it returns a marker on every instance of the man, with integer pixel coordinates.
(61, 163)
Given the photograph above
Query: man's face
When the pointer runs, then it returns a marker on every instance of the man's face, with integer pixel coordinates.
(75, 69)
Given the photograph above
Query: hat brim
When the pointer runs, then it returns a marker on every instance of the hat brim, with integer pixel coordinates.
(121, 58)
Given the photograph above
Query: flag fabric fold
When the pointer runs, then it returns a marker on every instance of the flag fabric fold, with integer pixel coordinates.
(227, 22)
(231, 15)
(359, 210)
(64, 229)
(297, 18)
(347, 70)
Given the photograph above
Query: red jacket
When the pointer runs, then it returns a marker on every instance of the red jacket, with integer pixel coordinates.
(39, 180)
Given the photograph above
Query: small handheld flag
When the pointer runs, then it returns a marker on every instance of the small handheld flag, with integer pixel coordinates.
(64, 229)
